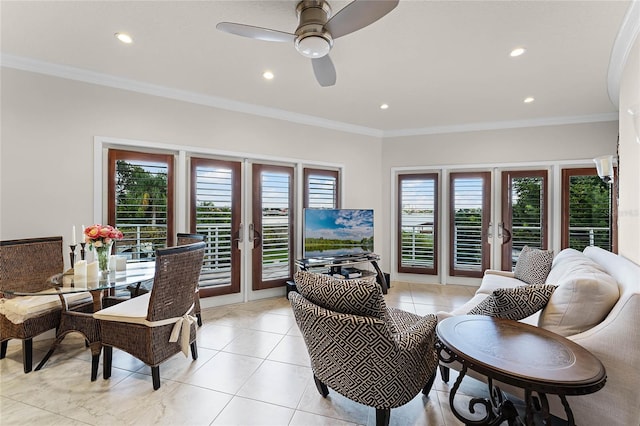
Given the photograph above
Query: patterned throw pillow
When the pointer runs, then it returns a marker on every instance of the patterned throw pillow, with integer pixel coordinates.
(514, 303)
(533, 265)
(362, 296)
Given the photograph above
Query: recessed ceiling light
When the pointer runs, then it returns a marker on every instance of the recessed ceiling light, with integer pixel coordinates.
(268, 75)
(124, 37)
(529, 99)
(384, 106)
(517, 52)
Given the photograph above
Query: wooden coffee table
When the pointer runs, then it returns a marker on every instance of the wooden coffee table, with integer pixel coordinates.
(520, 355)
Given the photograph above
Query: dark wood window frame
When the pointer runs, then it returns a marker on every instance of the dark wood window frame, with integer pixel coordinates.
(308, 172)
(115, 155)
(587, 171)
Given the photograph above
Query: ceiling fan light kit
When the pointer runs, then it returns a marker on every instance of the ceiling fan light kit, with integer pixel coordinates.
(317, 28)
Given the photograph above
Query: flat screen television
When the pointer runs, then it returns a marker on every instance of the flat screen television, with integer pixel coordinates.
(337, 232)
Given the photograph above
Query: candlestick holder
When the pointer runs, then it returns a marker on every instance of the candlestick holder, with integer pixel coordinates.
(72, 254)
(82, 251)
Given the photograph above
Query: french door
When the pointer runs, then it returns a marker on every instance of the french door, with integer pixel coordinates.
(271, 230)
(469, 223)
(216, 213)
(524, 214)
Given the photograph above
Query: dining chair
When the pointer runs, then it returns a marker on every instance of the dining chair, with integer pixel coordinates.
(184, 239)
(181, 240)
(26, 266)
(155, 326)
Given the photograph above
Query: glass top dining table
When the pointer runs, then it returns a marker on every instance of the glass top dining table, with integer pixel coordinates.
(67, 283)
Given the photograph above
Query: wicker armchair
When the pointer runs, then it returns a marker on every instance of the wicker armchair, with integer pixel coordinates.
(377, 356)
(147, 326)
(26, 265)
(182, 240)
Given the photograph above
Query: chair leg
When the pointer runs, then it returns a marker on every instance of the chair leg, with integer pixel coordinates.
(427, 388)
(95, 361)
(322, 388)
(106, 366)
(194, 351)
(155, 376)
(444, 372)
(3, 349)
(199, 317)
(382, 416)
(27, 354)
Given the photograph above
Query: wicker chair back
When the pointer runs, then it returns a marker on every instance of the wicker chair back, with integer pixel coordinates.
(26, 264)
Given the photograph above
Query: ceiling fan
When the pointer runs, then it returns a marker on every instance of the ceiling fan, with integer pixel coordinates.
(317, 28)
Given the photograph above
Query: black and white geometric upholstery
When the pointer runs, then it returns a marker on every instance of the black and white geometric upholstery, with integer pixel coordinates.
(381, 359)
(533, 265)
(514, 303)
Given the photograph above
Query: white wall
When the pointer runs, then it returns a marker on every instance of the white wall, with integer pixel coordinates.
(629, 206)
(48, 129)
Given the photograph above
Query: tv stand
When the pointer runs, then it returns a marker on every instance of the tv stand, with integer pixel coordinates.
(334, 264)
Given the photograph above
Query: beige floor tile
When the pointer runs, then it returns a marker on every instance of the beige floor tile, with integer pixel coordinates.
(333, 406)
(247, 412)
(18, 413)
(292, 350)
(225, 372)
(215, 336)
(277, 383)
(301, 418)
(253, 343)
(273, 323)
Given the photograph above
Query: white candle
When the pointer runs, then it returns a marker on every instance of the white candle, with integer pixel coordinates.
(92, 271)
(80, 268)
(73, 235)
(121, 263)
(83, 228)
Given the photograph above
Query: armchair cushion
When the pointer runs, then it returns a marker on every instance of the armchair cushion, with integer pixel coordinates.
(21, 308)
(362, 296)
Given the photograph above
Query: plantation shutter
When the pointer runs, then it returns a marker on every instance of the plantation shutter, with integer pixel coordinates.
(417, 223)
(321, 189)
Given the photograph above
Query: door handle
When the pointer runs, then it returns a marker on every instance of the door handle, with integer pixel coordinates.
(490, 233)
(505, 234)
(254, 236)
(239, 235)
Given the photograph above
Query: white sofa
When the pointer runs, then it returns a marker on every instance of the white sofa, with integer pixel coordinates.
(597, 305)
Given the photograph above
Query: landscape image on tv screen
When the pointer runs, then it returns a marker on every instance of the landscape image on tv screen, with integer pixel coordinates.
(337, 232)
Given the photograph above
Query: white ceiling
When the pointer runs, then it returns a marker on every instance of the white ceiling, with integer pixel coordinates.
(438, 64)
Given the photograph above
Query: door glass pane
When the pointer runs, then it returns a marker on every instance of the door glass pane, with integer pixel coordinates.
(275, 190)
(141, 208)
(469, 217)
(527, 214)
(213, 205)
(590, 212)
(417, 197)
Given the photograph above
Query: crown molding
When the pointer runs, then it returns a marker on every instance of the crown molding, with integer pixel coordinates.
(86, 76)
(625, 39)
(92, 77)
(501, 125)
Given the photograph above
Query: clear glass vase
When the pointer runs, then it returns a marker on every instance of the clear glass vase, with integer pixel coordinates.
(101, 255)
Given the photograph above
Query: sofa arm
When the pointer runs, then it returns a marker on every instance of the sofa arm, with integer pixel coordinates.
(509, 274)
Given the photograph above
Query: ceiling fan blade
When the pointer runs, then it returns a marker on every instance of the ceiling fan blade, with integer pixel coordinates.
(324, 70)
(255, 32)
(358, 14)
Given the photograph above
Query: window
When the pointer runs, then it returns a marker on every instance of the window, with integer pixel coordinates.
(140, 202)
(417, 214)
(321, 189)
(588, 210)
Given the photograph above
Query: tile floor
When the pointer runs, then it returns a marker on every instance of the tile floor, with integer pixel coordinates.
(252, 369)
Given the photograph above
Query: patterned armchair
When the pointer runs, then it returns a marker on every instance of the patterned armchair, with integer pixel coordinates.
(377, 356)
